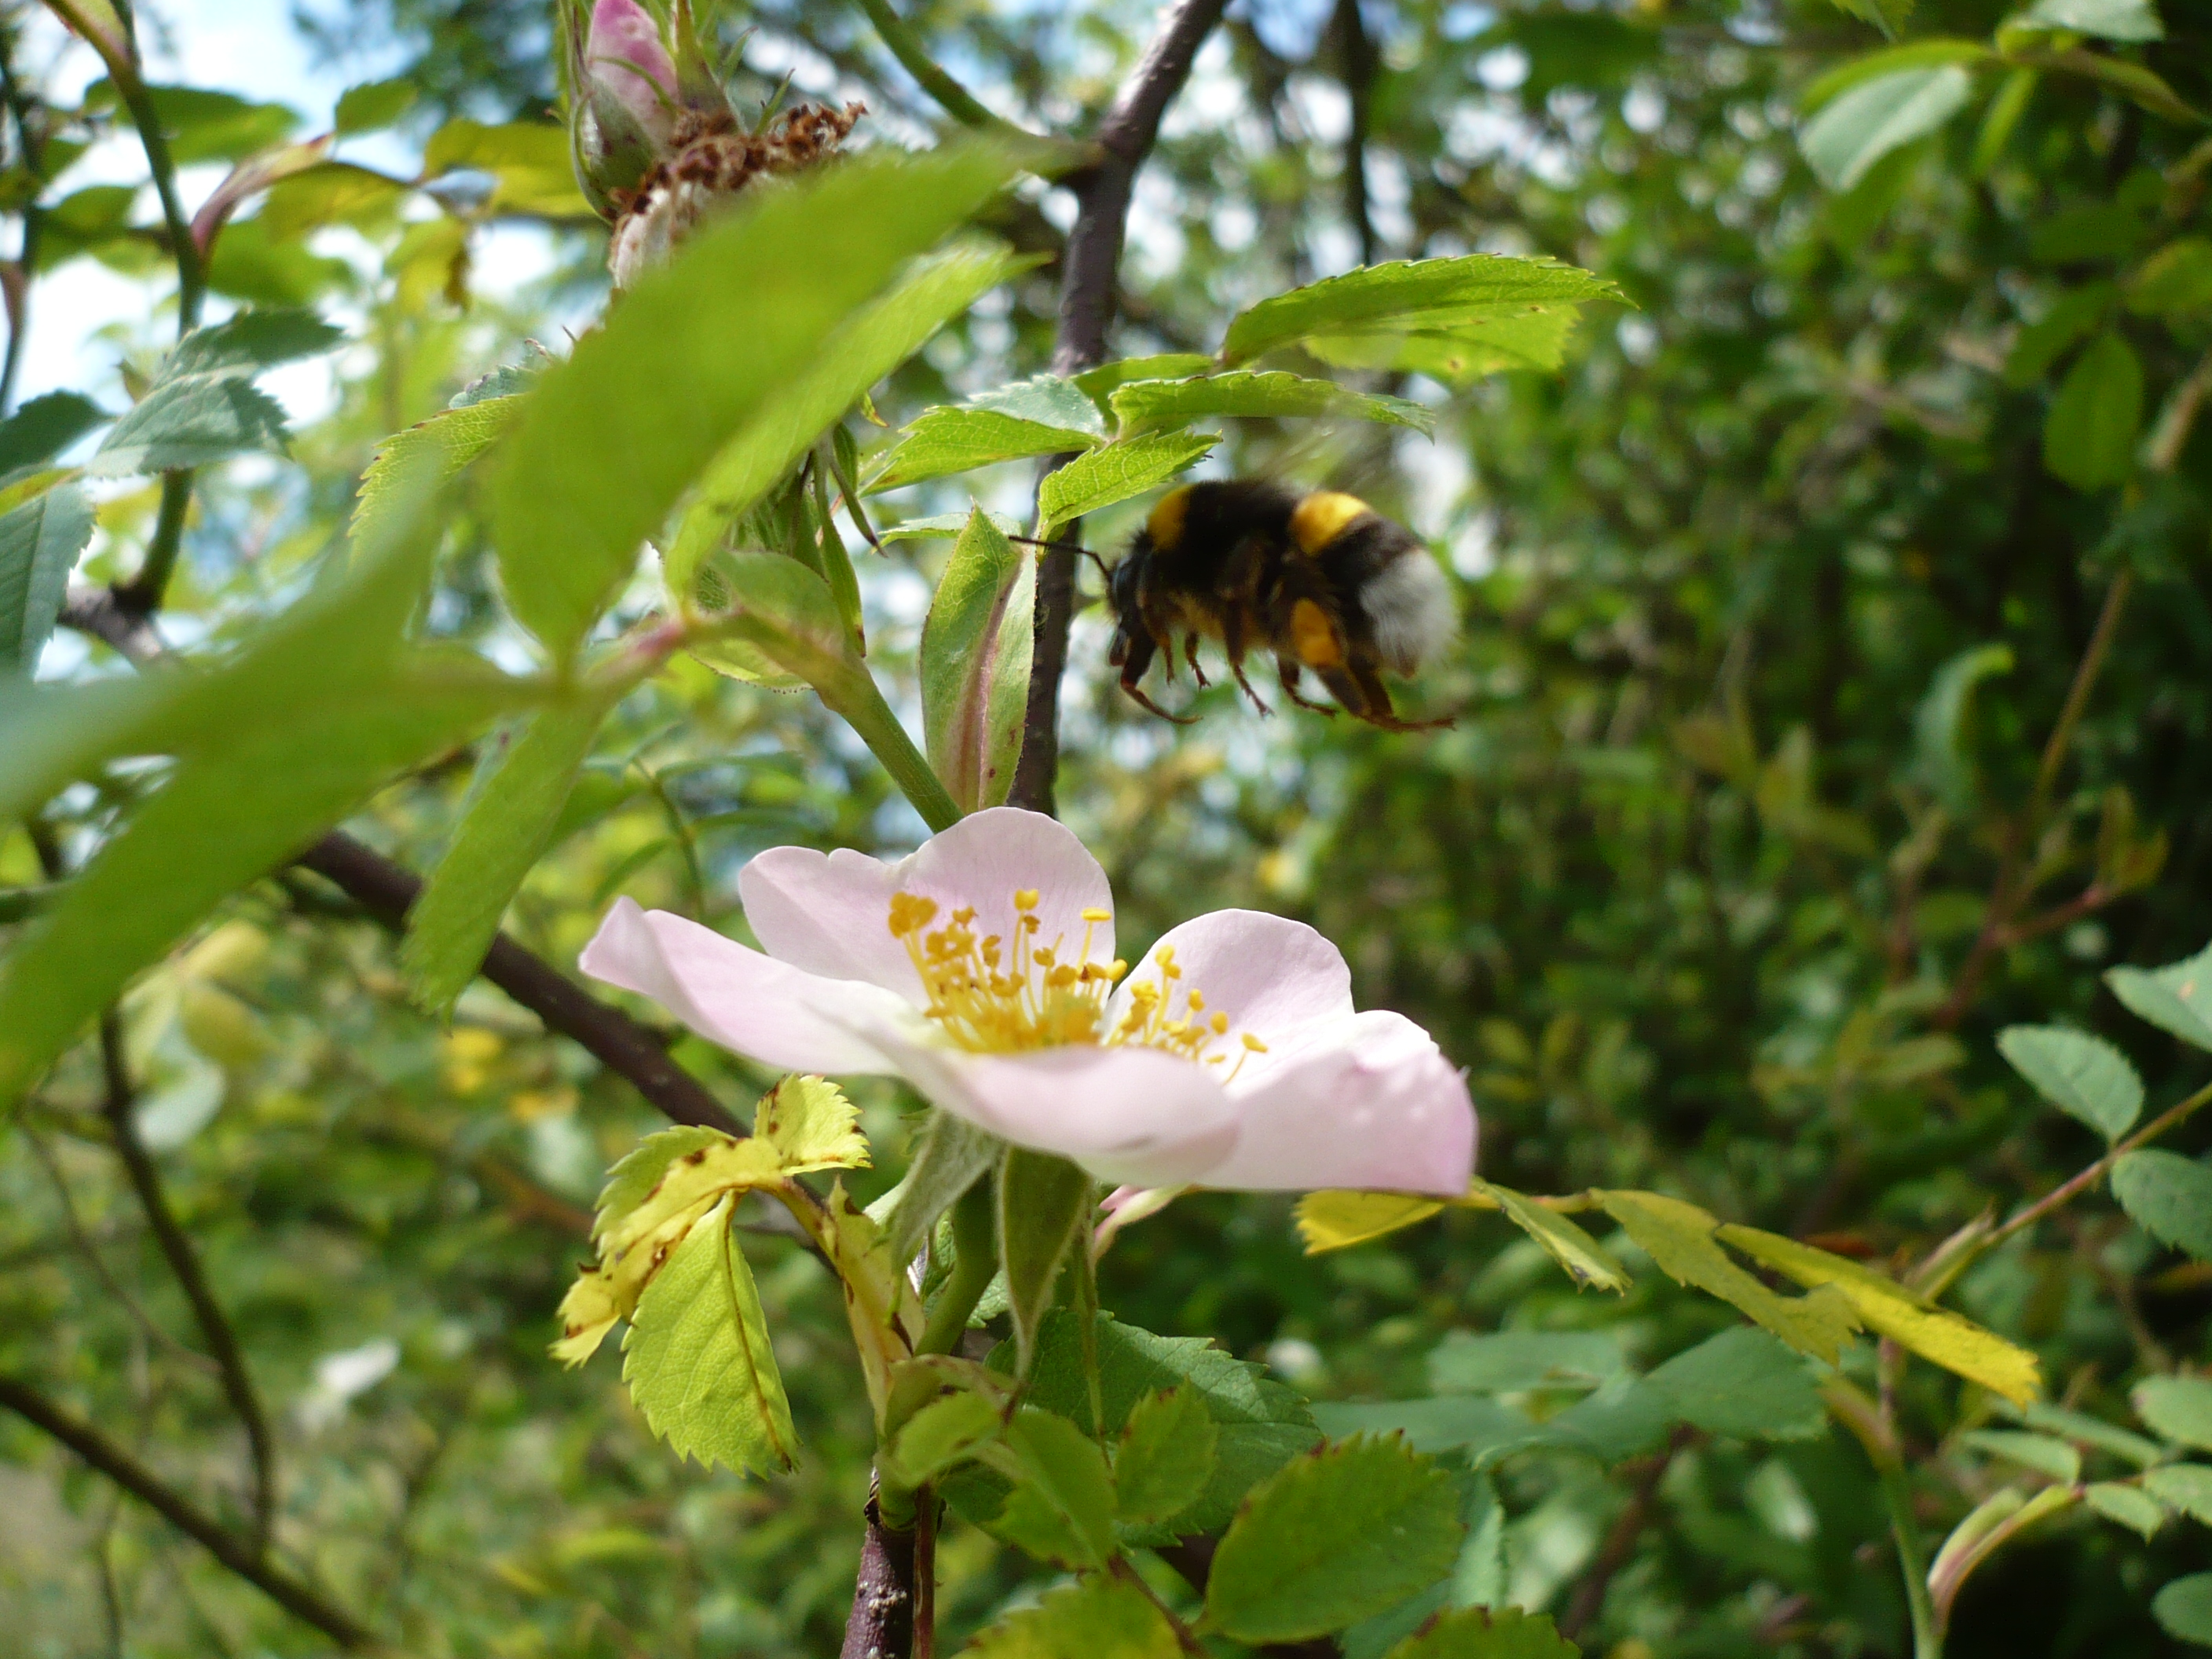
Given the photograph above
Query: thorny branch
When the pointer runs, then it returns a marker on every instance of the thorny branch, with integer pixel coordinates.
(1088, 289)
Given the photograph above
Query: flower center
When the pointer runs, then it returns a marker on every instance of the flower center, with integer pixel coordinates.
(996, 995)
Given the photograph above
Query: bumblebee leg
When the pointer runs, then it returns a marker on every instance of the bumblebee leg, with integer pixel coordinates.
(1140, 654)
(1232, 640)
(1378, 711)
(1136, 693)
(1190, 656)
(1286, 671)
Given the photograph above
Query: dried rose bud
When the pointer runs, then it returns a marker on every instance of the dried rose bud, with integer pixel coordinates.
(713, 163)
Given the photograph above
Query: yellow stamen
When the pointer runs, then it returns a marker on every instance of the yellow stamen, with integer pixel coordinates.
(1094, 914)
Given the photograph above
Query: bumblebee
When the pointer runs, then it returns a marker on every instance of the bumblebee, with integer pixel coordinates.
(1321, 580)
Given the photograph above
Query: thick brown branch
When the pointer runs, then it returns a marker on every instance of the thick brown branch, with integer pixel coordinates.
(1087, 298)
(881, 1626)
(183, 1261)
(294, 1596)
(385, 891)
(1357, 63)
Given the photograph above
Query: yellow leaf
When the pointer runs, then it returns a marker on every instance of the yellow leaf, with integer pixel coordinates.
(1681, 1238)
(1585, 1259)
(689, 1184)
(811, 1125)
(880, 1302)
(588, 1314)
(1335, 1220)
(1911, 1320)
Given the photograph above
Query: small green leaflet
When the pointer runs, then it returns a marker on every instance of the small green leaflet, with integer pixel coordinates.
(2177, 998)
(2169, 1197)
(2129, 1506)
(1062, 1506)
(697, 1359)
(2083, 1076)
(952, 1157)
(1275, 394)
(1744, 1384)
(2178, 1407)
(1115, 471)
(2184, 1487)
(1515, 1362)
(1586, 1261)
(2130, 21)
(1337, 1536)
(2184, 1608)
(1941, 759)
(2089, 436)
(1166, 1456)
(1099, 1618)
(1488, 1633)
(507, 823)
(941, 1434)
(948, 439)
(1860, 126)
(202, 406)
(43, 428)
(39, 543)
(1046, 399)
(2045, 1454)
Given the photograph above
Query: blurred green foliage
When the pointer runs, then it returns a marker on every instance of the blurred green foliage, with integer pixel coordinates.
(1749, 839)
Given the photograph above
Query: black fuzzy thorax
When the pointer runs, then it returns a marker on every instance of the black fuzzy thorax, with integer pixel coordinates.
(1363, 550)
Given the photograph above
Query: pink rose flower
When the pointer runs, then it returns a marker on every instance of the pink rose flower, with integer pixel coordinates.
(982, 969)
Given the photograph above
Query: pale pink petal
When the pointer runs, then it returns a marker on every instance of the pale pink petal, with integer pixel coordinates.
(1275, 979)
(627, 58)
(1128, 1116)
(828, 913)
(988, 856)
(1386, 1113)
(751, 1003)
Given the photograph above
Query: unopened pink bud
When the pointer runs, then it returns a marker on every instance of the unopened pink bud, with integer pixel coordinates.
(628, 63)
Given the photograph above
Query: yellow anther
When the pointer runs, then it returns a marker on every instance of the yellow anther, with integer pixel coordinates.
(1025, 898)
(1218, 1024)
(1253, 1044)
(910, 911)
(1061, 978)
(1030, 924)
(1094, 914)
(964, 914)
(1116, 968)
(1197, 1000)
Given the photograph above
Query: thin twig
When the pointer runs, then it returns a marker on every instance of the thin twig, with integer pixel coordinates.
(2067, 1191)
(1357, 61)
(1619, 1545)
(183, 1261)
(294, 1595)
(905, 44)
(1089, 285)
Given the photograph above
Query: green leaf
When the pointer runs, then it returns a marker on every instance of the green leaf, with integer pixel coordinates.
(2108, 20)
(2184, 1607)
(1860, 126)
(2083, 1076)
(1488, 1633)
(1335, 1537)
(2092, 1431)
(2184, 1487)
(697, 1358)
(528, 161)
(1275, 394)
(444, 447)
(2175, 280)
(1115, 471)
(1263, 1425)
(952, 1157)
(1942, 761)
(1044, 1205)
(975, 650)
(201, 408)
(2045, 1454)
(39, 543)
(1099, 383)
(1455, 1423)
(1166, 1456)
(950, 439)
(944, 1432)
(222, 819)
(2178, 1407)
(507, 381)
(2169, 1197)
(870, 344)
(2177, 998)
(693, 351)
(1831, 84)
(521, 789)
(1587, 1262)
(1743, 1383)
(1100, 1618)
(374, 104)
(1401, 300)
(811, 1125)
(1062, 1507)
(2089, 436)
(2130, 1506)
(43, 428)
(1513, 1361)
(1680, 1237)
(1902, 1315)
(1046, 399)
(1887, 16)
